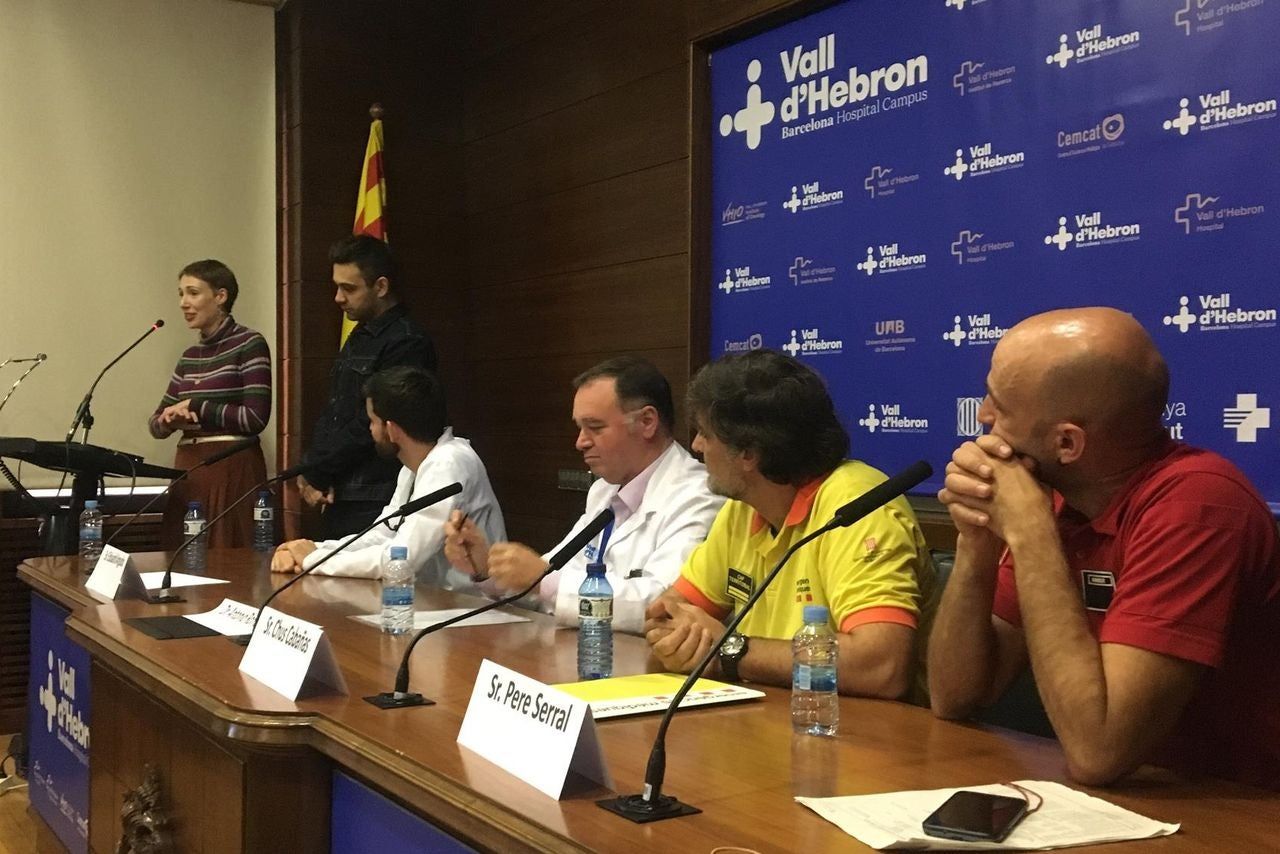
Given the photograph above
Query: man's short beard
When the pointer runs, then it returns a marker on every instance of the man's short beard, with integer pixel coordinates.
(387, 449)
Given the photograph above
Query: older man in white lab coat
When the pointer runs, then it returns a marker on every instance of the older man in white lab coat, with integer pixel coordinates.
(657, 491)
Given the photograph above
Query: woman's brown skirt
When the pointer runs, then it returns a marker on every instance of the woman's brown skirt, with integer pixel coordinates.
(215, 487)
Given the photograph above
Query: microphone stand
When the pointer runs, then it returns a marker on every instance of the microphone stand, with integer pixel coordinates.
(651, 804)
(38, 360)
(83, 415)
(406, 509)
(401, 696)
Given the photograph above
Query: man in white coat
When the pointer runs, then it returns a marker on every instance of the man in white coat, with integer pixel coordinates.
(407, 418)
(657, 491)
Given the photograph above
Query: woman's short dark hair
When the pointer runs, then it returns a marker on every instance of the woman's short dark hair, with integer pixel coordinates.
(638, 383)
(775, 406)
(216, 275)
(412, 397)
(370, 255)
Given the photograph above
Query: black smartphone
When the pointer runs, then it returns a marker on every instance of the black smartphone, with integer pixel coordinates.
(976, 817)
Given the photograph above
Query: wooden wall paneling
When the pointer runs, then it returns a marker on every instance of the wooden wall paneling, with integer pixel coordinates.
(497, 26)
(589, 55)
(600, 137)
(635, 216)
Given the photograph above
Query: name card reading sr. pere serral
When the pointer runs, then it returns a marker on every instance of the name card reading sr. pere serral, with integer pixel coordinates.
(114, 576)
(531, 730)
(289, 655)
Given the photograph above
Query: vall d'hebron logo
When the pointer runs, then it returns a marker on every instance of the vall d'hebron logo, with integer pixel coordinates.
(961, 5)
(811, 343)
(754, 341)
(890, 337)
(983, 161)
(1091, 44)
(58, 699)
(806, 271)
(1103, 135)
(981, 332)
(1200, 213)
(1217, 314)
(1218, 110)
(891, 420)
(974, 247)
(883, 181)
(974, 77)
(824, 97)
(1202, 16)
(1091, 230)
(811, 196)
(741, 279)
(1246, 418)
(892, 260)
(734, 214)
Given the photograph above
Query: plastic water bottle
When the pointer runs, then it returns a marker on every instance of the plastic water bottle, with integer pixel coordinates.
(91, 532)
(397, 592)
(815, 705)
(195, 554)
(595, 625)
(264, 524)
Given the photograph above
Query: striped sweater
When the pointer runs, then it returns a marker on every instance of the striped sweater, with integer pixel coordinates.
(227, 378)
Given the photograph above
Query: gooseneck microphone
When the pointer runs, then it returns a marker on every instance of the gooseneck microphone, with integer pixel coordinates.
(229, 451)
(36, 361)
(406, 509)
(401, 696)
(83, 415)
(651, 804)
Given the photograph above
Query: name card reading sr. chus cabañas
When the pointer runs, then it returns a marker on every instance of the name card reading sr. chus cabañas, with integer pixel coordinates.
(531, 730)
(287, 655)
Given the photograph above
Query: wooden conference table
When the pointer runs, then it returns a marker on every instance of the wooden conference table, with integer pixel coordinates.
(234, 756)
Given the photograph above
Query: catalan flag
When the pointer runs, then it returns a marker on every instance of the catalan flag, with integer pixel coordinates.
(371, 203)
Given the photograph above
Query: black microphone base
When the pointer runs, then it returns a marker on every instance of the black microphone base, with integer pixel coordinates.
(398, 700)
(636, 808)
(164, 596)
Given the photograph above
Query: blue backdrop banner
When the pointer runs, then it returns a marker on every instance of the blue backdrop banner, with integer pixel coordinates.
(895, 184)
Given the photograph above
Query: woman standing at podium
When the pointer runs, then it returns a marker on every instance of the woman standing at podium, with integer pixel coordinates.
(220, 392)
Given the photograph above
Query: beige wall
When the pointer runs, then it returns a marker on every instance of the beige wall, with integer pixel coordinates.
(136, 136)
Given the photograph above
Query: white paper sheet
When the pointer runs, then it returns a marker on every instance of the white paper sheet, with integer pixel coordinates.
(422, 619)
(1067, 818)
(231, 618)
(180, 579)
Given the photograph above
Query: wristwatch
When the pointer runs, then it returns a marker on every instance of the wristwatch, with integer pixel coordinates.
(731, 652)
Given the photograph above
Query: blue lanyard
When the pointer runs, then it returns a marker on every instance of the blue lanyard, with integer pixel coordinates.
(604, 541)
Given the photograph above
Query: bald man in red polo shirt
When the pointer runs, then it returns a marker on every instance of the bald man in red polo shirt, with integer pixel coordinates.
(1139, 576)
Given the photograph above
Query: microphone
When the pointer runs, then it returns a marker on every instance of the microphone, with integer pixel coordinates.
(83, 415)
(406, 509)
(401, 697)
(166, 594)
(230, 451)
(37, 360)
(651, 804)
(38, 357)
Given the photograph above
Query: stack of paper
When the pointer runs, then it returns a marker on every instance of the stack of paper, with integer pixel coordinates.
(651, 692)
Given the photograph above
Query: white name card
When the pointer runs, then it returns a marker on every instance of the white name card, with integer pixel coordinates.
(230, 618)
(287, 655)
(115, 577)
(536, 732)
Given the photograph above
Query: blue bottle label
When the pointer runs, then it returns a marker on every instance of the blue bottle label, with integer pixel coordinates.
(90, 532)
(806, 677)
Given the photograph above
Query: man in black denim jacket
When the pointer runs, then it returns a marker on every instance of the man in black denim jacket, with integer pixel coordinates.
(351, 483)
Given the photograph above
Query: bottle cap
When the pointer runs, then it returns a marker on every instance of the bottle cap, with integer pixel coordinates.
(91, 504)
(266, 493)
(816, 613)
(193, 505)
(399, 552)
(595, 569)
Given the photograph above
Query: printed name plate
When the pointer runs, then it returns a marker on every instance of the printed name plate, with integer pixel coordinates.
(531, 730)
(287, 655)
(115, 577)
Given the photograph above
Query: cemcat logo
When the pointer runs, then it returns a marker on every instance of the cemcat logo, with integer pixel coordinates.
(974, 77)
(739, 279)
(1215, 313)
(1091, 44)
(1202, 16)
(1246, 418)
(754, 341)
(1218, 110)
(892, 260)
(1200, 213)
(1097, 137)
(1090, 229)
(811, 196)
(984, 161)
(980, 331)
(890, 419)
(811, 343)
(58, 699)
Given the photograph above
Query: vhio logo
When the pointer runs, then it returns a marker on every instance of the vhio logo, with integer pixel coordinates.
(752, 118)
(1091, 44)
(1246, 418)
(1217, 315)
(1217, 110)
(734, 214)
